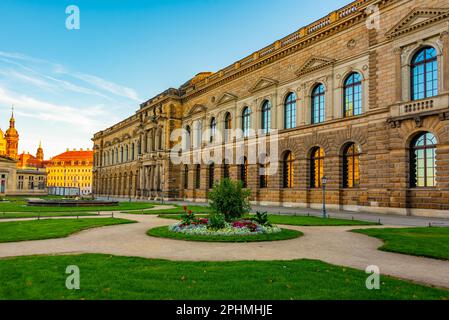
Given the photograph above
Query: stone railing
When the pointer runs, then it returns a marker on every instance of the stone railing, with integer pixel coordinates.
(343, 13)
(420, 106)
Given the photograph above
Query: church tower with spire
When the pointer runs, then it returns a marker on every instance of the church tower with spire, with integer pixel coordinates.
(40, 153)
(12, 139)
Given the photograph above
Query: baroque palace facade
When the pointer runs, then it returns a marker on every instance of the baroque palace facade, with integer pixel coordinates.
(360, 96)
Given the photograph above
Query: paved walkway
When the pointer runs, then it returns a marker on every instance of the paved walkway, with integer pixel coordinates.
(330, 244)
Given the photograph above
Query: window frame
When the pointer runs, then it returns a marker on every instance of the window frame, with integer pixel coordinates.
(290, 111)
(318, 99)
(288, 173)
(266, 117)
(425, 63)
(414, 179)
(314, 160)
(352, 86)
(351, 151)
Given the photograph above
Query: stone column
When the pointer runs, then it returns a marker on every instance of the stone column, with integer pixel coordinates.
(398, 74)
(445, 40)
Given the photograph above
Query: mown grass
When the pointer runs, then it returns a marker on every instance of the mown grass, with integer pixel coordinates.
(296, 220)
(425, 242)
(52, 228)
(19, 204)
(24, 215)
(163, 232)
(112, 278)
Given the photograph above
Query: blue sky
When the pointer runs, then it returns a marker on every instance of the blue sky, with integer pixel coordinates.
(68, 84)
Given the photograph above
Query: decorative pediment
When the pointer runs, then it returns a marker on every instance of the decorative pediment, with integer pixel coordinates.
(418, 18)
(263, 83)
(197, 108)
(314, 63)
(225, 98)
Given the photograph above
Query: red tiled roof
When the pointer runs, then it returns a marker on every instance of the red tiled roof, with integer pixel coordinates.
(75, 156)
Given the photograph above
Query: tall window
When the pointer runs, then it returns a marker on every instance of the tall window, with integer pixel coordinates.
(186, 177)
(423, 161)
(213, 129)
(353, 95)
(316, 168)
(244, 172)
(424, 68)
(287, 170)
(228, 126)
(246, 116)
(263, 175)
(187, 138)
(266, 116)
(133, 151)
(290, 111)
(226, 171)
(198, 176)
(211, 175)
(318, 104)
(351, 166)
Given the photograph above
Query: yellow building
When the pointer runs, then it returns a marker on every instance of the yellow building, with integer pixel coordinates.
(70, 173)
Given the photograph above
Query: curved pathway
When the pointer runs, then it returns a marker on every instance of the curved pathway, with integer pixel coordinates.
(334, 245)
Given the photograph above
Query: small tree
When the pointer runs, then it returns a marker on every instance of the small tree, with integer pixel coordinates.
(230, 199)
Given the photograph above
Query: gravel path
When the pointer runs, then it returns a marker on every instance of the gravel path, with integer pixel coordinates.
(330, 244)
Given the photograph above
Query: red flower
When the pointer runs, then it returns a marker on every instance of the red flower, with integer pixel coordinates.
(190, 212)
(185, 208)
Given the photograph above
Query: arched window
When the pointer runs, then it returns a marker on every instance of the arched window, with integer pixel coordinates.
(424, 69)
(186, 177)
(244, 172)
(290, 111)
(316, 167)
(211, 175)
(423, 161)
(126, 153)
(228, 126)
(318, 104)
(351, 166)
(198, 176)
(353, 95)
(213, 129)
(246, 121)
(133, 155)
(287, 170)
(266, 116)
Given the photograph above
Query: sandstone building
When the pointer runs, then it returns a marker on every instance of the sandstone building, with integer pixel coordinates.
(360, 96)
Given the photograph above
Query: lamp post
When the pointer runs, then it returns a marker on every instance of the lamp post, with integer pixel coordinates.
(324, 182)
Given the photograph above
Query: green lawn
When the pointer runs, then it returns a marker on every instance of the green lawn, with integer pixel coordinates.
(163, 232)
(23, 215)
(109, 277)
(297, 220)
(20, 205)
(426, 242)
(52, 228)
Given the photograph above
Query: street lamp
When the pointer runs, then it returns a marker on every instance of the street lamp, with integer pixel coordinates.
(324, 182)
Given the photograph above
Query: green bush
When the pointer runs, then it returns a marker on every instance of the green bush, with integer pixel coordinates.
(262, 219)
(230, 199)
(216, 221)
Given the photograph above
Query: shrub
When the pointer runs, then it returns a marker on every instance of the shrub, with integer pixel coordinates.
(188, 217)
(217, 221)
(230, 199)
(262, 219)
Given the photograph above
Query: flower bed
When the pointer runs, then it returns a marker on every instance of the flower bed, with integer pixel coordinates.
(237, 228)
